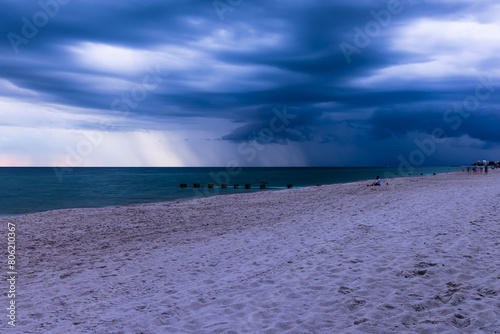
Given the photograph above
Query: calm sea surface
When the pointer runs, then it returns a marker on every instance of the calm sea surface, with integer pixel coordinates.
(35, 189)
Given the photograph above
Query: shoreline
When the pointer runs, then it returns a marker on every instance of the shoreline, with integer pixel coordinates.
(5, 216)
(408, 257)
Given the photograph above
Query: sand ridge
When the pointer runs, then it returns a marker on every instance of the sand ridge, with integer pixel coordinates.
(420, 255)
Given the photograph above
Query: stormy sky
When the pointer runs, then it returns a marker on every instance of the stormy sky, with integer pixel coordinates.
(249, 83)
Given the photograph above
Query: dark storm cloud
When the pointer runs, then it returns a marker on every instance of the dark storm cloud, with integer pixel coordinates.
(482, 125)
(302, 65)
(277, 125)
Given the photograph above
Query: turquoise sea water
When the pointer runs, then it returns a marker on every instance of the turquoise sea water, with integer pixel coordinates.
(35, 189)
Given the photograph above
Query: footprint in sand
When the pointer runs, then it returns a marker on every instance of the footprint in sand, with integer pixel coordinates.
(460, 321)
(345, 290)
(355, 304)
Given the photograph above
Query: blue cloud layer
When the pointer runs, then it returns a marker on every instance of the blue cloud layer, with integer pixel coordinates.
(261, 55)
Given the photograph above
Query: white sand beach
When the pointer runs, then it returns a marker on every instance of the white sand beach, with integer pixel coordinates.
(420, 255)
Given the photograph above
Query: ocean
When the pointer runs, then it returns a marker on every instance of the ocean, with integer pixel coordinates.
(34, 189)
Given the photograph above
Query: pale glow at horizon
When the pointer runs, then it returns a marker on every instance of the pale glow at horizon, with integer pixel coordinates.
(76, 148)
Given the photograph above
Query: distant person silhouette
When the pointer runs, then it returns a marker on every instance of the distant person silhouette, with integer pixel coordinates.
(377, 182)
